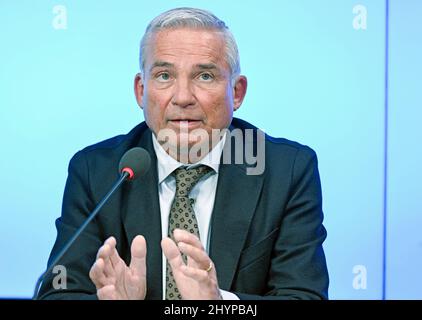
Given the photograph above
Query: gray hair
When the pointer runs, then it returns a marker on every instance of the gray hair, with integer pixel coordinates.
(196, 19)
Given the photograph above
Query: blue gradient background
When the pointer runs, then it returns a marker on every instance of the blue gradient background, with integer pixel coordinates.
(312, 78)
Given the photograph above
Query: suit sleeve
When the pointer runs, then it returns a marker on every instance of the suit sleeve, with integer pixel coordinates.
(77, 204)
(298, 267)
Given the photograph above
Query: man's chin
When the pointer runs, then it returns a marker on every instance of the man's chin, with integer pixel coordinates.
(185, 144)
(186, 149)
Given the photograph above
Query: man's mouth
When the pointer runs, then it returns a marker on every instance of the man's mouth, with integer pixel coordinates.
(185, 123)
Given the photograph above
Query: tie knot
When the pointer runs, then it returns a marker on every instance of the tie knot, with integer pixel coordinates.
(186, 179)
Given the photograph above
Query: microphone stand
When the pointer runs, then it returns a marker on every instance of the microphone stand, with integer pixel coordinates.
(122, 178)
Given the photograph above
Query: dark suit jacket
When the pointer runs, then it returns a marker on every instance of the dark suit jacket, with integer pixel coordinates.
(266, 230)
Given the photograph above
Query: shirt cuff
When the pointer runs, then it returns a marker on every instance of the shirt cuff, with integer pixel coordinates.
(228, 295)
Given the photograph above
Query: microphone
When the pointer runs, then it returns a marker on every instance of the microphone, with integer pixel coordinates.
(133, 164)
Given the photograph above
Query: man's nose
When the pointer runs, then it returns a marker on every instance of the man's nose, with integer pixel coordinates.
(183, 95)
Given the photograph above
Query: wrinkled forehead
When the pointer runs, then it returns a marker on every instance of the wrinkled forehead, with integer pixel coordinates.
(205, 45)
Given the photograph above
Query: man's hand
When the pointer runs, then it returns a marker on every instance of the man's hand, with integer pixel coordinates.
(197, 279)
(115, 280)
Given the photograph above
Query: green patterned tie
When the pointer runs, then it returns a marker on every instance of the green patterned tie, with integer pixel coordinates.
(182, 215)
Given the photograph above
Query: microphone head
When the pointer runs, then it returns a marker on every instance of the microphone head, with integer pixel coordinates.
(136, 162)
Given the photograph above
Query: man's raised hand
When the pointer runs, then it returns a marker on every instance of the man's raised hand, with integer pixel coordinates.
(115, 280)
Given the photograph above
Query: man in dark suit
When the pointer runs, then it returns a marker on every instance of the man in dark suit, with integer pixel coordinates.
(193, 227)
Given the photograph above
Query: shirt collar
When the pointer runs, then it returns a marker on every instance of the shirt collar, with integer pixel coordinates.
(167, 164)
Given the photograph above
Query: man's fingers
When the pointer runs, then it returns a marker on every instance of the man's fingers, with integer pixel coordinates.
(108, 268)
(172, 253)
(187, 237)
(208, 285)
(102, 269)
(191, 279)
(116, 261)
(105, 253)
(195, 273)
(192, 247)
(107, 248)
(198, 256)
(138, 260)
(97, 274)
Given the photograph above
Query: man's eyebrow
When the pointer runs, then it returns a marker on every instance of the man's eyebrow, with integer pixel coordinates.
(161, 64)
(206, 66)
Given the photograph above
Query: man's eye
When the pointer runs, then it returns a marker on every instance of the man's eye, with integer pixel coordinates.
(206, 77)
(163, 77)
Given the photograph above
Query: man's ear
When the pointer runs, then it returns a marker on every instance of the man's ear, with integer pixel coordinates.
(138, 86)
(239, 91)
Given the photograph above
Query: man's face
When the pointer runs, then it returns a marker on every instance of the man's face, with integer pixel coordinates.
(187, 83)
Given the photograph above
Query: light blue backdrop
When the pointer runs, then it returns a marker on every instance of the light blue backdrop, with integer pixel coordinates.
(314, 77)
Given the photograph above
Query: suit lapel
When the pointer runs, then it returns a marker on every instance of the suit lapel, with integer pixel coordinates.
(142, 217)
(236, 198)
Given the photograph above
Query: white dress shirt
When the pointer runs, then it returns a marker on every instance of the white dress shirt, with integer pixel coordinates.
(203, 194)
